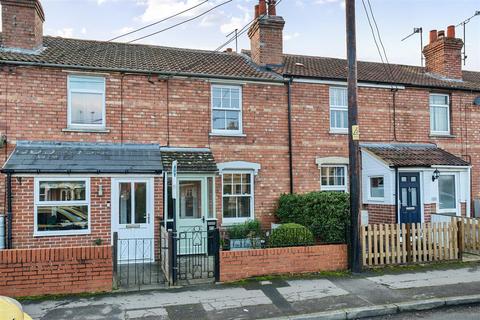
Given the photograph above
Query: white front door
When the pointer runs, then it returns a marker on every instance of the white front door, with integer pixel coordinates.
(191, 204)
(132, 218)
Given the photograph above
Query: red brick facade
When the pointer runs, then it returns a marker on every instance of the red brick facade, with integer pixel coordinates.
(30, 272)
(378, 213)
(237, 265)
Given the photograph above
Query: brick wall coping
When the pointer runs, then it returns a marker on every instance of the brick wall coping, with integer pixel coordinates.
(10, 256)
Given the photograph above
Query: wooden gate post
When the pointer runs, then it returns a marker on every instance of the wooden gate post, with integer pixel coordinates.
(461, 238)
(408, 243)
(115, 259)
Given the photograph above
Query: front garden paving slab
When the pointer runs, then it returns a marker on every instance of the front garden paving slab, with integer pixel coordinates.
(186, 311)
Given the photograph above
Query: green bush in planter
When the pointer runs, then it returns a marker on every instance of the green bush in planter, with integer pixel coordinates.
(289, 235)
(326, 214)
(245, 230)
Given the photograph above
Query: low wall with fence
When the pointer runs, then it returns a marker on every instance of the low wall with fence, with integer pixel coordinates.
(32, 272)
(242, 264)
(390, 244)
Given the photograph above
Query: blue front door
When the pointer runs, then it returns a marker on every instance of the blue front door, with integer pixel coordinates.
(409, 197)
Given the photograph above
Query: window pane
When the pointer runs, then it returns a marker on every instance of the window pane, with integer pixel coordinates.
(446, 192)
(141, 202)
(87, 83)
(439, 118)
(217, 102)
(190, 199)
(413, 194)
(404, 197)
(339, 119)
(125, 203)
(62, 191)
(232, 120)
(217, 93)
(229, 207)
(338, 97)
(62, 218)
(376, 187)
(219, 120)
(439, 99)
(225, 98)
(243, 207)
(86, 108)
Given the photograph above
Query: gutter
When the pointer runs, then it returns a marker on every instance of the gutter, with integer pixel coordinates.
(145, 72)
(290, 153)
(397, 214)
(9, 172)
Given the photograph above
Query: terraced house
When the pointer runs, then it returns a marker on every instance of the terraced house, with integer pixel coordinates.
(90, 129)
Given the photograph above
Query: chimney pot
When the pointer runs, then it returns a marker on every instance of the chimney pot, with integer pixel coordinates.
(257, 11)
(451, 31)
(229, 50)
(433, 36)
(441, 34)
(272, 11)
(262, 9)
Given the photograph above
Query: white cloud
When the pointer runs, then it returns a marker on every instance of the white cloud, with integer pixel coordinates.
(290, 36)
(159, 9)
(322, 2)
(235, 23)
(64, 32)
(83, 31)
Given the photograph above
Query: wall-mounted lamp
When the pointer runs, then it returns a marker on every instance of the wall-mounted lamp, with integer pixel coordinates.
(19, 180)
(436, 175)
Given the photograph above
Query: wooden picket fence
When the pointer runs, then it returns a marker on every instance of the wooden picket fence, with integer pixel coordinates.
(469, 234)
(391, 244)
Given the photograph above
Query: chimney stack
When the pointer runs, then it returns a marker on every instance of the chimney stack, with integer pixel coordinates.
(22, 24)
(266, 35)
(443, 55)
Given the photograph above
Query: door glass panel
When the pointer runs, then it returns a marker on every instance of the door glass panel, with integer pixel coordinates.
(413, 179)
(125, 203)
(413, 194)
(404, 179)
(446, 191)
(190, 205)
(140, 202)
(404, 197)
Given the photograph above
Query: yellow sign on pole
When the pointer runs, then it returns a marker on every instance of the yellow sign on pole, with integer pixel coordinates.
(355, 132)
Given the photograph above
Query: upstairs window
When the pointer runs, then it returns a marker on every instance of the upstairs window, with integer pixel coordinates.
(338, 110)
(86, 102)
(226, 109)
(439, 114)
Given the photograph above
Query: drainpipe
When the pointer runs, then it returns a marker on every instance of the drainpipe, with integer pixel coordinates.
(290, 153)
(396, 195)
(9, 211)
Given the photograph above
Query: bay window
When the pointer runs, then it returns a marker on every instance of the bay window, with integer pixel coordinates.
(62, 206)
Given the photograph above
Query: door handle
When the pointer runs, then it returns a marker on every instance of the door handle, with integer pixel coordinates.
(203, 219)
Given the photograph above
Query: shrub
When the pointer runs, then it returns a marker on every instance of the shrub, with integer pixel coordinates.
(291, 234)
(326, 214)
(248, 229)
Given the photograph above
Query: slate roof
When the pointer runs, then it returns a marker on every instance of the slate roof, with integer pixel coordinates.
(140, 58)
(413, 155)
(336, 69)
(79, 157)
(189, 159)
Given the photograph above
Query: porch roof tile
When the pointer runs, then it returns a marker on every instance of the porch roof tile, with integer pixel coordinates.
(81, 157)
(413, 155)
(189, 159)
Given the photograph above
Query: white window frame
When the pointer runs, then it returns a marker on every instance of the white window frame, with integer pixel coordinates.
(69, 101)
(336, 108)
(370, 197)
(457, 195)
(343, 188)
(446, 106)
(38, 203)
(230, 221)
(240, 111)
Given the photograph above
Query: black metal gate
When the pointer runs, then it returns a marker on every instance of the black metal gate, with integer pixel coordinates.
(195, 256)
(136, 263)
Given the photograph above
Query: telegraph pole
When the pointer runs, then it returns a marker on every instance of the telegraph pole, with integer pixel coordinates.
(353, 138)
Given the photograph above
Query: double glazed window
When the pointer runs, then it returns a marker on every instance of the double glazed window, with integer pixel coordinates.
(86, 102)
(62, 206)
(338, 110)
(377, 188)
(447, 202)
(333, 178)
(237, 196)
(226, 109)
(439, 114)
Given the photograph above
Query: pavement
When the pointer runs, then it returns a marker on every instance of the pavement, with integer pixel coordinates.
(314, 297)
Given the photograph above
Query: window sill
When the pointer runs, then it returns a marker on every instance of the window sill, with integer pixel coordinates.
(93, 130)
(338, 132)
(228, 135)
(442, 135)
(60, 234)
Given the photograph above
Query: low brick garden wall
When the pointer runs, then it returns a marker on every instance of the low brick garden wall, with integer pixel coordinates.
(237, 265)
(32, 272)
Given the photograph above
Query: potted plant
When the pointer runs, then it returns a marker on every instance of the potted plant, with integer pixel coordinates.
(245, 236)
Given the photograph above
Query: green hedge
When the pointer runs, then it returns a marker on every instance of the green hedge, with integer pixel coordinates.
(291, 234)
(251, 228)
(326, 214)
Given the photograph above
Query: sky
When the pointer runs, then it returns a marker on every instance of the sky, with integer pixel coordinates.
(313, 27)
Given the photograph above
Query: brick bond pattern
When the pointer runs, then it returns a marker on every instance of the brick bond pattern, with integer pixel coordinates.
(236, 265)
(28, 272)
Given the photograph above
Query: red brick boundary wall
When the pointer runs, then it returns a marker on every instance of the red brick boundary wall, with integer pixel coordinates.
(237, 265)
(32, 272)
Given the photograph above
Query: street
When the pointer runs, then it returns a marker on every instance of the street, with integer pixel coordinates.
(469, 312)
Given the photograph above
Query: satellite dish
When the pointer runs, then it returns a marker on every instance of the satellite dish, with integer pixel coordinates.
(477, 101)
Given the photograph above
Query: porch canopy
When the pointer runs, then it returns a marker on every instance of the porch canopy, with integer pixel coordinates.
(80, 157)
(190, 160)
(413, 155)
